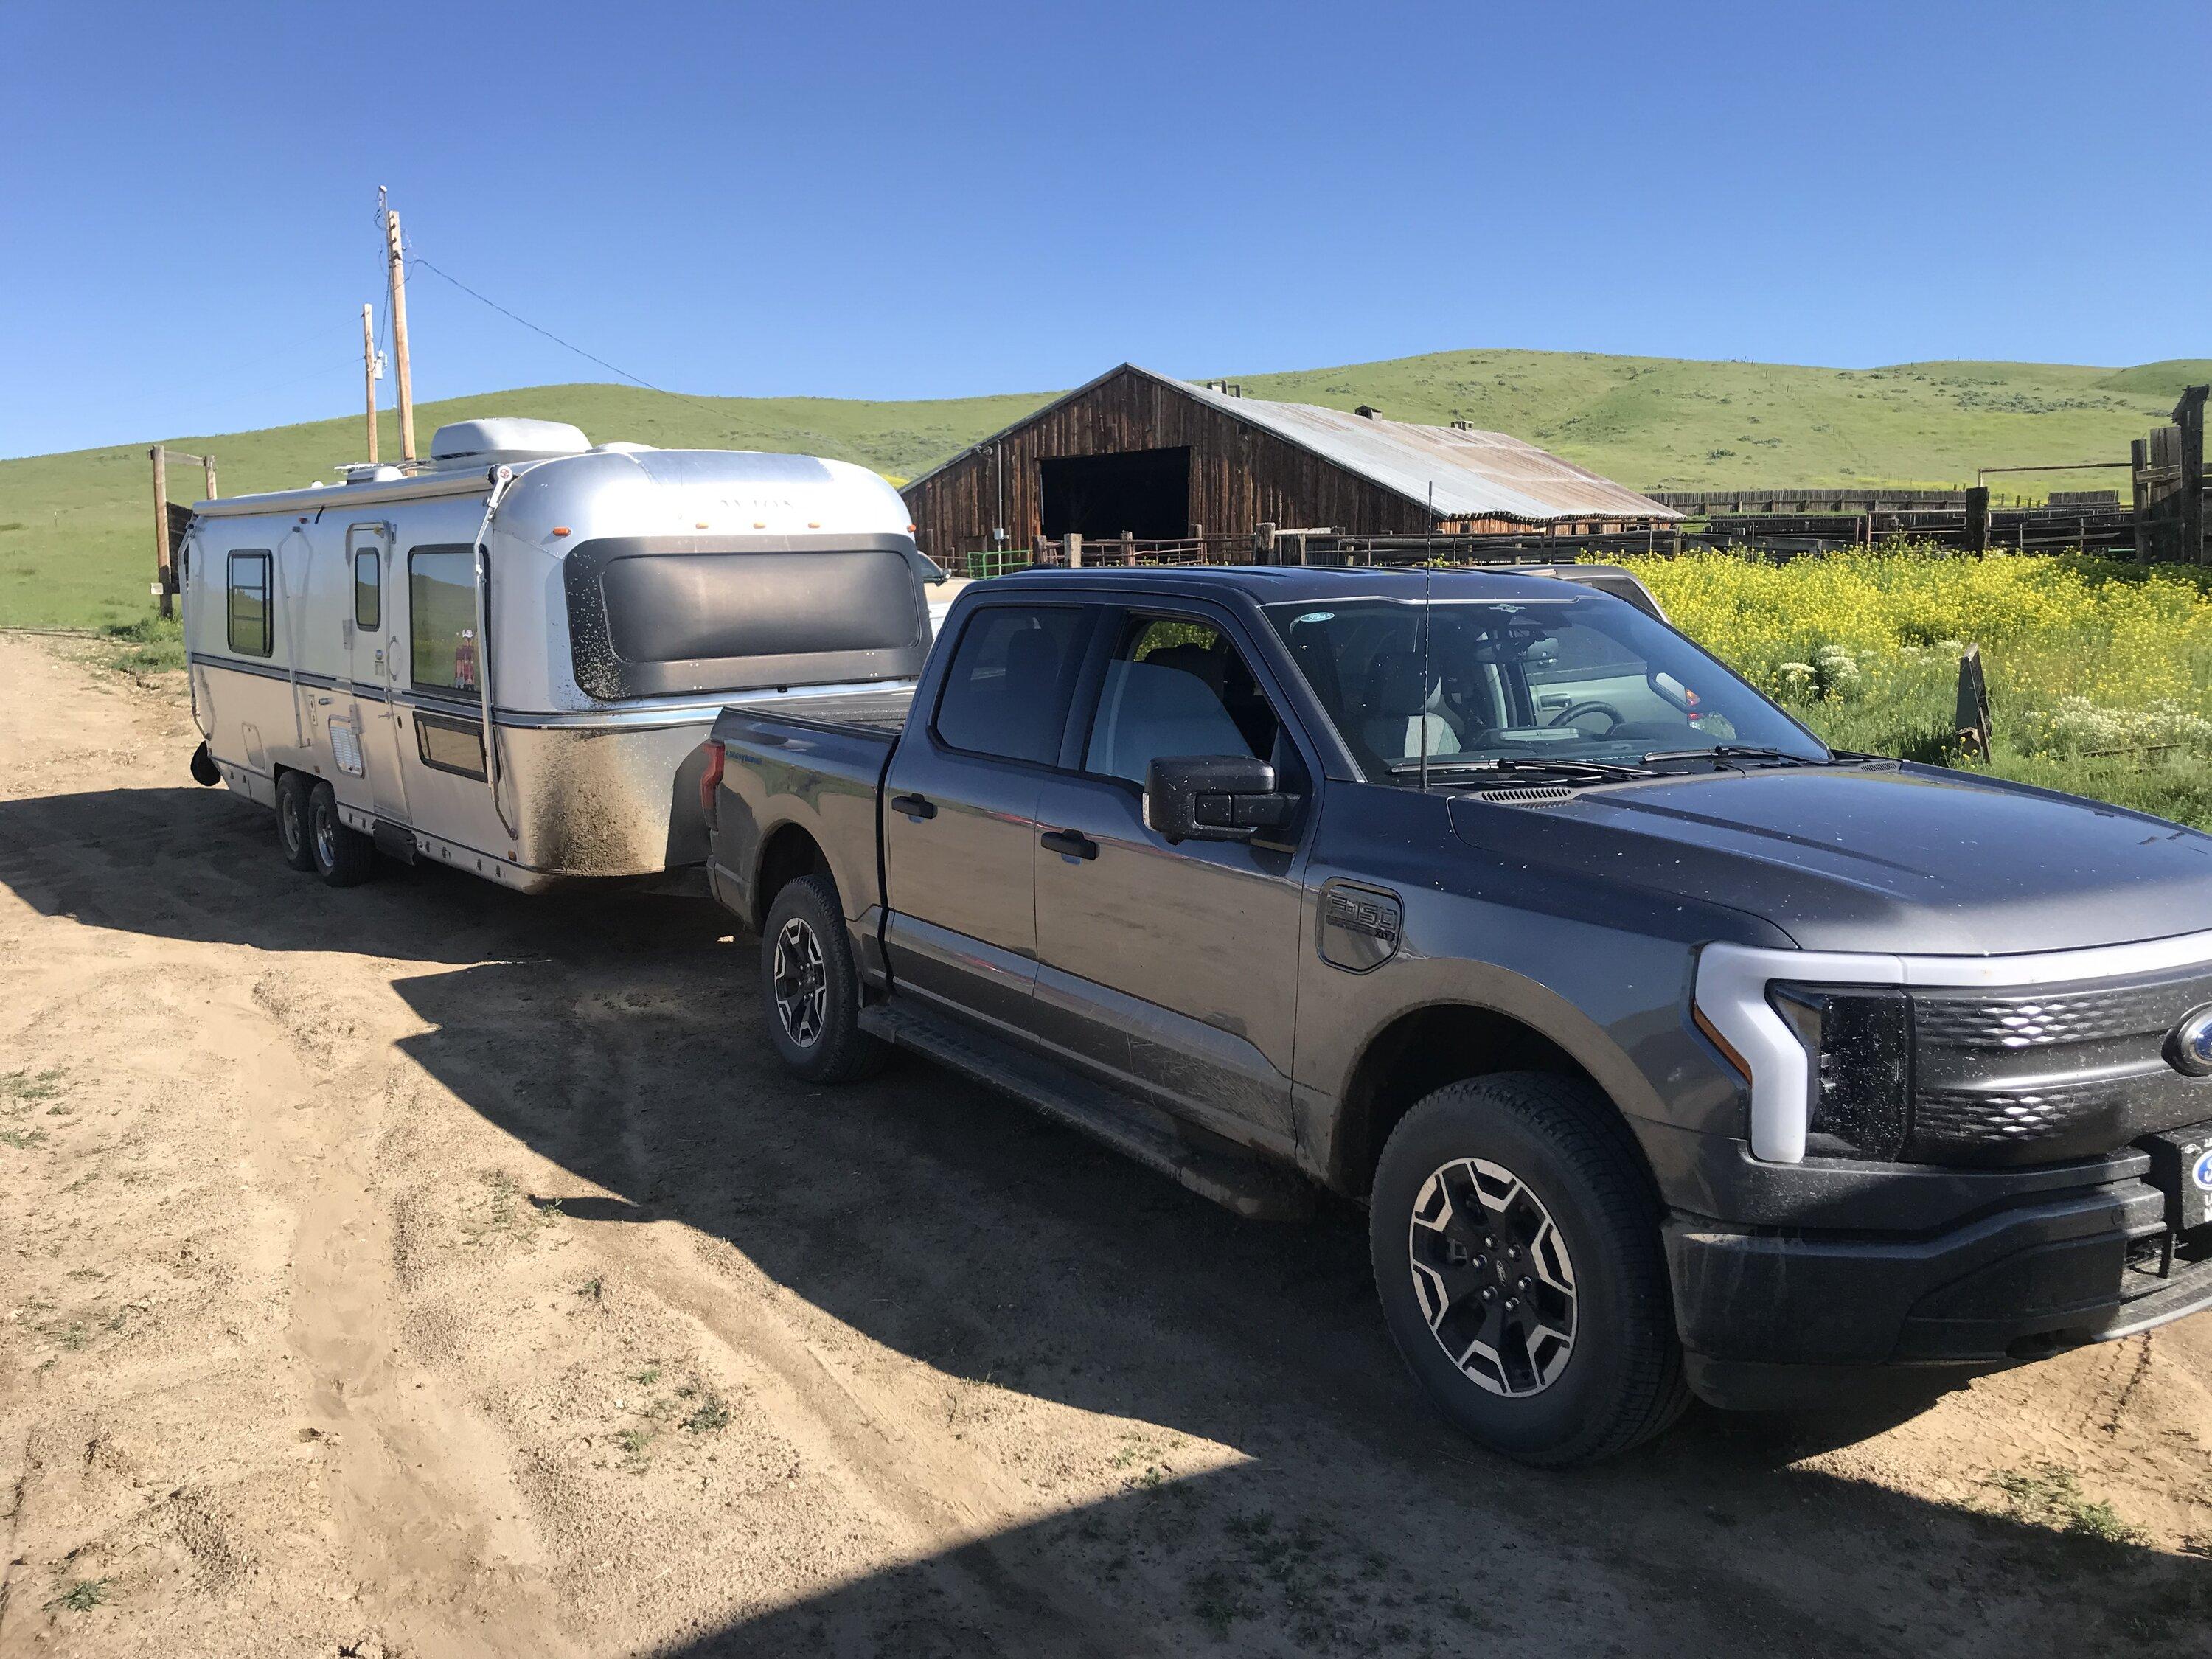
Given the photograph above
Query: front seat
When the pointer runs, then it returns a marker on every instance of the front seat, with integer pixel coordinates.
(1391, 728)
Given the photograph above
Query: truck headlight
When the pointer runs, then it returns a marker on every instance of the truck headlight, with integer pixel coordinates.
(1858, 1045)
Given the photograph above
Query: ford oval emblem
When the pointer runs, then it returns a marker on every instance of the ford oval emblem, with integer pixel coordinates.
(2201, 1175)
(2189, 1048)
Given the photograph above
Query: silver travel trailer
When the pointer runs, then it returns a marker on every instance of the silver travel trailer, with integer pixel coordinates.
(507, 659)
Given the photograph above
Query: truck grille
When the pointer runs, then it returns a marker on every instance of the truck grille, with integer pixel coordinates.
(2056, 1072)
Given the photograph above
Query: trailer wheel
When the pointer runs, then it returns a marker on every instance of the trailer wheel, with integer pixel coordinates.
(1516, 1250)
(344, 857)
(293, 790)
(811, 988)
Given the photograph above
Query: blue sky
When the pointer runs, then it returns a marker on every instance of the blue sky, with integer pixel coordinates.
(898, 202)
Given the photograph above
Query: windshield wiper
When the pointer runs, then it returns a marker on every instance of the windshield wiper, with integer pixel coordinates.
(1596, 771)
(1726, 752)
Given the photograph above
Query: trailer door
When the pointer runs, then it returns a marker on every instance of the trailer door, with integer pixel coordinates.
(375, 631)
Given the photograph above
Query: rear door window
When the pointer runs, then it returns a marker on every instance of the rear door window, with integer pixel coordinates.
(1006, 688)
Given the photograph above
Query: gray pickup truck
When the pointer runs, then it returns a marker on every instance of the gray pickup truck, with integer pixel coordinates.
(1669, 1051)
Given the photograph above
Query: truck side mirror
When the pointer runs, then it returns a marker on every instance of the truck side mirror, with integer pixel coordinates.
(1213, 798)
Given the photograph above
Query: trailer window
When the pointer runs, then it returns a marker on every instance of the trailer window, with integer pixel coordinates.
(655, 617)
(367, 588)
(442, 603)
(249, 632)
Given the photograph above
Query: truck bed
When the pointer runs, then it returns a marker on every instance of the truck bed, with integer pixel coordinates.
(812, 763)
(876, 710)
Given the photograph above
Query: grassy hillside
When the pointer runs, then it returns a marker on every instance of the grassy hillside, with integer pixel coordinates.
(76, 528)
(1662, 423)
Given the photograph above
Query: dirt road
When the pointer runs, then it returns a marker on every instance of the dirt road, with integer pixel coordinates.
(422, 1269)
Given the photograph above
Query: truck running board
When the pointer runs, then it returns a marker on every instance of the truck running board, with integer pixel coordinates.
(1253, 1186)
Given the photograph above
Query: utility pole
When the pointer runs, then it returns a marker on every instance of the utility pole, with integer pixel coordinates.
(368, 374)
(399, 334)
(163, 582)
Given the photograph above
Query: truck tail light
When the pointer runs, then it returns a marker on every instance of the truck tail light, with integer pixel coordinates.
(710, 779)
(1859, 1043)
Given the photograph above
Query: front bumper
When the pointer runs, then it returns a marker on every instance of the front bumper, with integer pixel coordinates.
(1777, 1316)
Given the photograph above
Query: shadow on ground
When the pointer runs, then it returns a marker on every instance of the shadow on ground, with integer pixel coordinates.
(617, 1035)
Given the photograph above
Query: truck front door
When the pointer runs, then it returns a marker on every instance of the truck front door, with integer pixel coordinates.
(1172, 969)
(960, 825)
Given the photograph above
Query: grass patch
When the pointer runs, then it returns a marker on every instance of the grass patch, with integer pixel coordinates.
(2051, 1496)
(2099, 672)
(83, 1597)
(146, 645)
(23, 1140)
(710, 1414)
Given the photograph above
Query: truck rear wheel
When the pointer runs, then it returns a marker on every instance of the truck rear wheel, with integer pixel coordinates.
(344, 857)
(1516, 1250)
(293, 790)
(811, 988)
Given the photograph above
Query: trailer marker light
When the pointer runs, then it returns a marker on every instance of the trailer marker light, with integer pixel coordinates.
(760, 524)
(700, 525)
(814, 524)
(560, 529)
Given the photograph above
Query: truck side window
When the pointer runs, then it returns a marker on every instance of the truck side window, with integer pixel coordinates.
(367, 588)
(1006, 689)
(250, 634)
(1175, 686)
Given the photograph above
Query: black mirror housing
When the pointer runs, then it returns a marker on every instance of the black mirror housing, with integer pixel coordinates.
(1213, 798)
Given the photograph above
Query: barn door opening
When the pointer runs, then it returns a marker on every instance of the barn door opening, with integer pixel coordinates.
(1145, 492)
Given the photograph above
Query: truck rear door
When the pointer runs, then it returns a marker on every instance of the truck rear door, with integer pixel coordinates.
(1172, 969)
(960, 826)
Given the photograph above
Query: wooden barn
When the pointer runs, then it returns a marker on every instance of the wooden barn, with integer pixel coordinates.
(1161, 460)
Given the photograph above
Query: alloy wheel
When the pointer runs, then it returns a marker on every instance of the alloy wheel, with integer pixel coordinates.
(1492, 1277)
(802, 983)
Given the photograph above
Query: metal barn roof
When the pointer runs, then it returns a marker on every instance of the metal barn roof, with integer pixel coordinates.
(1477, 475)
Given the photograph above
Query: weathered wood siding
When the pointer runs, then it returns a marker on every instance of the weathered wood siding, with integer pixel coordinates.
(1240, 475)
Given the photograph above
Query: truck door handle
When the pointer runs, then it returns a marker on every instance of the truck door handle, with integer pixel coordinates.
(913, 806)
(1069, 844)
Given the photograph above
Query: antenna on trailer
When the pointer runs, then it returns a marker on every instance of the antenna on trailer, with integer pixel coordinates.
(1428, 585)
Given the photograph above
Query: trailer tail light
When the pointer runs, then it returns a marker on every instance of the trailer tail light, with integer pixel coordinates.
(710, 779)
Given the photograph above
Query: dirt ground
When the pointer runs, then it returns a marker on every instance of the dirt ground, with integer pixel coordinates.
(421, 1269)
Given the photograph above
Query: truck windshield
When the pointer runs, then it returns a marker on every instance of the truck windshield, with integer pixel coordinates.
(1587, 679)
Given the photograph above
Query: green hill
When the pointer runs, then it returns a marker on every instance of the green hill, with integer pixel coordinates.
(76, 528)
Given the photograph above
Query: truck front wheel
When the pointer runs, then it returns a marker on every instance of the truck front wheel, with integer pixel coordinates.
(810, 986)
(1515, 1243)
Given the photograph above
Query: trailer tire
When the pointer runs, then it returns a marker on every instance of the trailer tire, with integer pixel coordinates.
(810, 986)
(1523, 1191)
(344, 857)
(293, 790)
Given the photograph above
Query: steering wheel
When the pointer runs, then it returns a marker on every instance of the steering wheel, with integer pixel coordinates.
(1571, 715)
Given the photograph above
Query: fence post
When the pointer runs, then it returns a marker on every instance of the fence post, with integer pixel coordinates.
(1075, 550)
(2189, 415)
(1263, 543)
(1978, 520)
(1128, 548)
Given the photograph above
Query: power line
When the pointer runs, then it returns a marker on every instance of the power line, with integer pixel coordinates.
(416, 258)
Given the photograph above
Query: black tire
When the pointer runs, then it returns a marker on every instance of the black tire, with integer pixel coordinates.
(344, 857)
(294, 791)
(811, 988)
(1586, 1364)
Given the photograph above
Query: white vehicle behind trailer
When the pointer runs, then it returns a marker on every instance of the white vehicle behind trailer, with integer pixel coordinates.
(507, 659)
